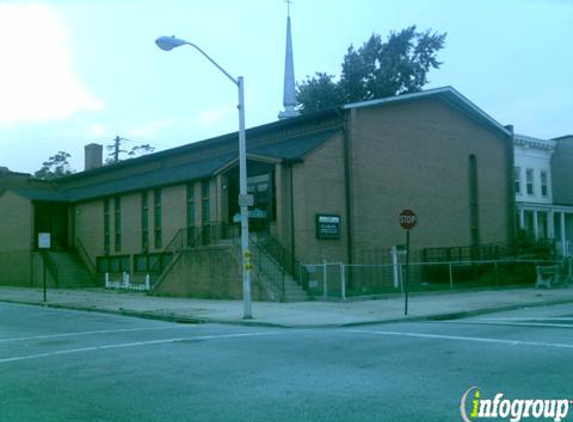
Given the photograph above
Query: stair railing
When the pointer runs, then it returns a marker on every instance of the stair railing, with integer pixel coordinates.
(285, 259)
(86, 259)
(266, 264)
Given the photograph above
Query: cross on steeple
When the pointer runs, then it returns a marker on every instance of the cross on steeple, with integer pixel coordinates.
(288, 2)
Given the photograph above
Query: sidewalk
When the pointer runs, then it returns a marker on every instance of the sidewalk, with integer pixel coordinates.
(303, 314)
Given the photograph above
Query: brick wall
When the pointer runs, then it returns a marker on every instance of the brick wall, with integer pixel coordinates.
(416, 155)
(562, 173)
(319, 189)
(16, 228)
(211, 273)
(89, 226)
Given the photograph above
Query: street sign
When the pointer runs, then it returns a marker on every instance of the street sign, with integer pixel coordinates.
(246, 200)
(408, 219)
(44, 240)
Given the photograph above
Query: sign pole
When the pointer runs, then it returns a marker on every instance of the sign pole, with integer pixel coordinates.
(44, 243)
(45, 286)
(407, 272)
(408, 221)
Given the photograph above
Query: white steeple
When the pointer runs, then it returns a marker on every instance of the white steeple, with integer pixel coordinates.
(289, 96)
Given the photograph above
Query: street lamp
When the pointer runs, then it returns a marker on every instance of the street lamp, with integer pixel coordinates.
(168, 44)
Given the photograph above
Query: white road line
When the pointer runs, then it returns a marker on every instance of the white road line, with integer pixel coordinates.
(506, 323)
(465, 338)
(528, 319)
(89, 333)
(132, 344)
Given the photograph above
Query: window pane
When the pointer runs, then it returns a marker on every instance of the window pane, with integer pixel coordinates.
(206, 205)
(544, 189)
(106, 226)
(141, 263)
(117, 223)
(157, 218)
(529, 181)
(517, 173)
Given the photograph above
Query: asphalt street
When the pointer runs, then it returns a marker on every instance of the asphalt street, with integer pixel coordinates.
(59, 365)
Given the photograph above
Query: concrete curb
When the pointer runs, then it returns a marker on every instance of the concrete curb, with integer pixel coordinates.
(169, 317)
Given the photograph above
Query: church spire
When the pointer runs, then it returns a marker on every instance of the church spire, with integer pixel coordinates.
(289, 96)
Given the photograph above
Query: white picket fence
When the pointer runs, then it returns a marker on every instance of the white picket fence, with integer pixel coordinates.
(126, 284)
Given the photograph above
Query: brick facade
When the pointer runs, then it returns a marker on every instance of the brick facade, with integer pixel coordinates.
(362, 163)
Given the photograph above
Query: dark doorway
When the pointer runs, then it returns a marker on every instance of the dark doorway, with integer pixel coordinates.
(260, 184)
(52, 217)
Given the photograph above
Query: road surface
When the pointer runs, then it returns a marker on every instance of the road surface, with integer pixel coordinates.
(59, 365)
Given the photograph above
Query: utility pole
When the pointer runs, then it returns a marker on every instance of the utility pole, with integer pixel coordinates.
(116, 149)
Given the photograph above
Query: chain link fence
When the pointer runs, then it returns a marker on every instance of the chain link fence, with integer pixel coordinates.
(336, 280)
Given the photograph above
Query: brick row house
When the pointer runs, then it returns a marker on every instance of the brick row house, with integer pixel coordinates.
(544, 189)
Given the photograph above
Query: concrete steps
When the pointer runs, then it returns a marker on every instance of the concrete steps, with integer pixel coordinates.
(72, 272)
(294, 292)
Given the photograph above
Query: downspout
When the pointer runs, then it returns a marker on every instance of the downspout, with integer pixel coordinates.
(291, 201)
(348, 182)
(511, 223)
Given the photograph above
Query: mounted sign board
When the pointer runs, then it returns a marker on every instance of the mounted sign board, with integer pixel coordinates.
(44, 241)
(252, 214)
(327, 226)
(246, 200)
(408, 219)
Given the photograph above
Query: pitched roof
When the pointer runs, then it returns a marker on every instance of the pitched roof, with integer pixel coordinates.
(289, 149)
(42, 195)
(150, 179)
(212, 143)
(447, 94)
(293, 148)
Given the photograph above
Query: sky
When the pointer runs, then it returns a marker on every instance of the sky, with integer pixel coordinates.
(74, 72)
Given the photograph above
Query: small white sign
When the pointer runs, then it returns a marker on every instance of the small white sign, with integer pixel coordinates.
(246, 200)
(44, 240)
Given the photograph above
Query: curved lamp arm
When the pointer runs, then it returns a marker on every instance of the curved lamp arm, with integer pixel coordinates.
(169, 43)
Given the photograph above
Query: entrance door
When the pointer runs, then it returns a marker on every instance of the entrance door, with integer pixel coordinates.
(52, 217)
(260, 184)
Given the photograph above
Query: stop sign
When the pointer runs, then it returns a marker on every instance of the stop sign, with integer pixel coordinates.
(408, 219)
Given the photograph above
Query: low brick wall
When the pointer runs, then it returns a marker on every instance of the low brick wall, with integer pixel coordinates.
(210, 273)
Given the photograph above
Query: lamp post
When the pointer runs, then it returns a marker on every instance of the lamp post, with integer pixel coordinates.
(168, 44)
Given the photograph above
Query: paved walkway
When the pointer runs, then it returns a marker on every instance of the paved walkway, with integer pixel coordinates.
(304, 314)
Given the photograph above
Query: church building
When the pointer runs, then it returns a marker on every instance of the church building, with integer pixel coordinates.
(326, 186)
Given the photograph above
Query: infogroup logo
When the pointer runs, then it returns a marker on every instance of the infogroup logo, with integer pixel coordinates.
(474, 407)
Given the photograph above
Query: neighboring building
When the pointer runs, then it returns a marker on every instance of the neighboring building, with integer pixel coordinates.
(327, 186)
(562, 175)
(544, 197)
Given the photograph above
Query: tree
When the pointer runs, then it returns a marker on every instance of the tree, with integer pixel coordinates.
(115, 150)
(377, 69)
(56, 166)
(319, 93)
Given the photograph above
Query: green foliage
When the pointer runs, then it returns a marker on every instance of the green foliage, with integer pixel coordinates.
(378, 69)
(56, 166)
(319, 92)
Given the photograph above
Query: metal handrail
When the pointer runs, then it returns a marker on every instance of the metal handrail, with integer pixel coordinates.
(268, 266)
(85, 257)
(284, 258)
(179, 238)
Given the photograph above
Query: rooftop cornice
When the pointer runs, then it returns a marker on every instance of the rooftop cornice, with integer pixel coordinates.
(528, 141)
